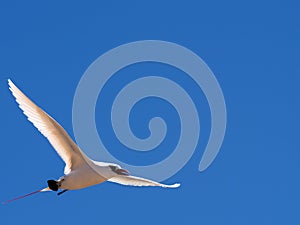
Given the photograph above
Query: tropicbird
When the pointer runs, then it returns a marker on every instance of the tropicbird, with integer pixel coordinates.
(80, 171)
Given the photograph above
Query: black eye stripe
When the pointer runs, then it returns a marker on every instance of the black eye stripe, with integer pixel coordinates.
(113, 168)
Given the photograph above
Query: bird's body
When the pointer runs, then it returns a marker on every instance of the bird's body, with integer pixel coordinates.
(82, 177)
(80, 171)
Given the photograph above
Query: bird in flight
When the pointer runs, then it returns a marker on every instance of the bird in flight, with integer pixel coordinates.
(80, 171)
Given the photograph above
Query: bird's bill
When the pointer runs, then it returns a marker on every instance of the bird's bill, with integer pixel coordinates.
(123, 172)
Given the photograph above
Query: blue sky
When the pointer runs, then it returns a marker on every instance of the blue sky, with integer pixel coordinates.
(252, 48)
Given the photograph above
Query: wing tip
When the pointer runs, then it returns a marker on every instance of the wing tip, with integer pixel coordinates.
(176, 185)
(9, 82)
(11, 85)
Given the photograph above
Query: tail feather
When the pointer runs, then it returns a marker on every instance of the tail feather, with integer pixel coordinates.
(23, 196)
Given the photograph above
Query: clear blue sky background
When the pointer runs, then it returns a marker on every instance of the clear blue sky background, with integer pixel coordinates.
(253, 49)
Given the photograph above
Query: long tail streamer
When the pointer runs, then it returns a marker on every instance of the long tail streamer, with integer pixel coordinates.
(23, 196)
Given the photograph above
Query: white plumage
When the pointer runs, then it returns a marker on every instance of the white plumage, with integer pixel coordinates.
(80, 171)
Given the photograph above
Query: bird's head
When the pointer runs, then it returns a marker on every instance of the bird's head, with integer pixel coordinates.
(118, 170)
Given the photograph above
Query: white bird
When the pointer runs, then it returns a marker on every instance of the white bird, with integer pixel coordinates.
(80, 171)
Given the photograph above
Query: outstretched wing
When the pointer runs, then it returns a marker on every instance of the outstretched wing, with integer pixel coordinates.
(138, 181)
(56, 135)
